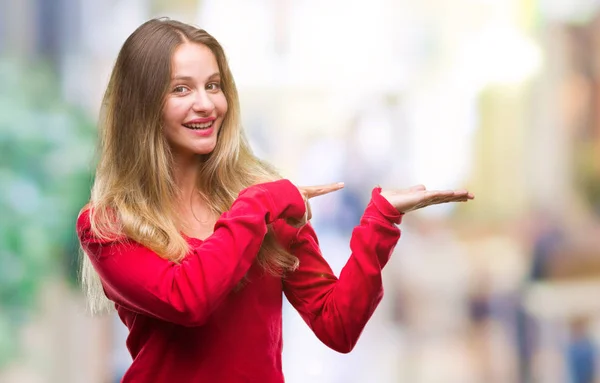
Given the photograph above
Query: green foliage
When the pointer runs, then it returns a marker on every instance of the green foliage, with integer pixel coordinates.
(46, 150)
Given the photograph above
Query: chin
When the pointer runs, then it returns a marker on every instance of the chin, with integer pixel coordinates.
(205, 149)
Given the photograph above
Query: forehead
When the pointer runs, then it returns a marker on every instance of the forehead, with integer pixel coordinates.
(192, 59)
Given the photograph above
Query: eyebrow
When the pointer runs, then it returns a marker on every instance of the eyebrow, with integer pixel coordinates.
(189, 78)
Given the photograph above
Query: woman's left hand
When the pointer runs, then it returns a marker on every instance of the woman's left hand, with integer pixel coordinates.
(418, 197)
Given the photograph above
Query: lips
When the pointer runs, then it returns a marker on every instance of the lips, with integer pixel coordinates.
(200, 123)
(199, 126)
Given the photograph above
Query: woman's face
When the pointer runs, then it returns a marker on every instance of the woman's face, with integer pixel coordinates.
(195, 105)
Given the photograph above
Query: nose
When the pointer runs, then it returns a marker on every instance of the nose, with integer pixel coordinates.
(203, 103)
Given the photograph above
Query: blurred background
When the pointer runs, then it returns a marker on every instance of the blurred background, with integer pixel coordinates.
(498, 96)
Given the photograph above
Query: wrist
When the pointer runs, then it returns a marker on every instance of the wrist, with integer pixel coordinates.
(385, 207)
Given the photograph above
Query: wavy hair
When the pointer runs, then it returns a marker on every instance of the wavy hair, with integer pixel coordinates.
(133, 195)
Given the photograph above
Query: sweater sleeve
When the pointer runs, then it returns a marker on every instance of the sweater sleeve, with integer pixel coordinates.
(187, 293)
(338, 309)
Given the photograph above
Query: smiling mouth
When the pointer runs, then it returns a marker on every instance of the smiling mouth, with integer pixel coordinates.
(203, 126)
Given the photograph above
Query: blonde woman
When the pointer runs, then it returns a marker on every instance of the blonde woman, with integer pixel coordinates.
(193, 239)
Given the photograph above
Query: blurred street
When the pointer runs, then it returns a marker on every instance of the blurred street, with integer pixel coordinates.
(500, 97)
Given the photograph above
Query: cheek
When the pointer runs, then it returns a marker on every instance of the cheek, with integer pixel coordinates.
(167, 112)
(174, 110)
(221, 104)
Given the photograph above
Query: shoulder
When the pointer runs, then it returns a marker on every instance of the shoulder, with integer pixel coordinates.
(83, 219)
(83, 227)
(87, 226)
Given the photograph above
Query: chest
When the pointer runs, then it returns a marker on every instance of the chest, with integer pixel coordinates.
(196, 219)
(200, 230)
(258, 295)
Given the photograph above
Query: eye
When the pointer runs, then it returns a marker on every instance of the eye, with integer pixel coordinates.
(180, 89)
(214, 86)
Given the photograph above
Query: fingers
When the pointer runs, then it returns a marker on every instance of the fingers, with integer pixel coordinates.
(464, 193)
(315, 191)
(435, 197)
(445, 196)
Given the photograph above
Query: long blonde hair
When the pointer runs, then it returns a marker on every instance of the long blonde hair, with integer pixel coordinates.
(134, 193)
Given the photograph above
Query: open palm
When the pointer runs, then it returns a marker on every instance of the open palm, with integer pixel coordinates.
(418, 197)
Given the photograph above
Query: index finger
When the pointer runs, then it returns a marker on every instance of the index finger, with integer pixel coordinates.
(315, 191)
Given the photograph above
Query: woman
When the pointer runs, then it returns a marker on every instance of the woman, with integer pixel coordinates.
(193, 239)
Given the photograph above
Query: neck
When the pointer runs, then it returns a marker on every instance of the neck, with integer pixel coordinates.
(185, 175)
(193, 211)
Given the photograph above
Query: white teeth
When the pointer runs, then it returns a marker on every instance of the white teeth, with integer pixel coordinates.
(199, 126)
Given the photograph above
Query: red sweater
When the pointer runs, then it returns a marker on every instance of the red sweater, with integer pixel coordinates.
(186, 321)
